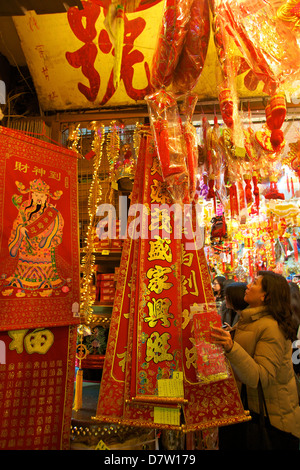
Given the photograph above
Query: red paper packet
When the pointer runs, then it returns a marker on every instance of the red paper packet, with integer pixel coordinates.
(211, 361)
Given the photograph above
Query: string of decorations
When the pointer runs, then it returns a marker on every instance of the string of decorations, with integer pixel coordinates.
(95, 193)
(112, 152)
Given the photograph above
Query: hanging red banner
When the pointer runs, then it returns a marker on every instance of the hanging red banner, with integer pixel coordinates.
(149, 377)
(39, 248)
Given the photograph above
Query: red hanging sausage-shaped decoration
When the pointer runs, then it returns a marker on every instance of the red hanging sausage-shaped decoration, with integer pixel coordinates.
(226, 107)
(275, 119)
(234, 207)
(193, 54)
(255, 190)
(170, 41)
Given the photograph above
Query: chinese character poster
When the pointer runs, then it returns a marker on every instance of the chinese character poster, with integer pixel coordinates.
(39, 250)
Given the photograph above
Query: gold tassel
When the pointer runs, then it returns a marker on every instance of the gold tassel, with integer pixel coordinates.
(77, 405)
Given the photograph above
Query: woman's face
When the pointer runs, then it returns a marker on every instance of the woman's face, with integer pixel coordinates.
(216, 286)
(254, 294)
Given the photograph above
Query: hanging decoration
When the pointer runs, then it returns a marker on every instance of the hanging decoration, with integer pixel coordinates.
(150, 372)
(171, 147)
(88, 260)
(114, 23)
(113, 153)
(194, 51)
(171, 38)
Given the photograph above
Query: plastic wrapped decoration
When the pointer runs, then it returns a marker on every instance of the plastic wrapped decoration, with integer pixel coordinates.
(194, 51)
(266, 43)
(293, 157)
(170, 41)
(115, 26)
(211, 361)
(218, 228)
(191, 141)
(271, 137)
(226, 106)
(248, 189)
(166, 127)
(256, 189)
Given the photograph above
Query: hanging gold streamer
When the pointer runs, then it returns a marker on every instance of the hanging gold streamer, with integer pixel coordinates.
(113, 152)
(88, 261)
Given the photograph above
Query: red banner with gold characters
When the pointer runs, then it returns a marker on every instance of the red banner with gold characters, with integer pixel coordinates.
(39, 248)
(36, 388)
(150, 371)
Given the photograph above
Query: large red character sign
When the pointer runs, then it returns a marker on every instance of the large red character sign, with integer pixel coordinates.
(83, 25)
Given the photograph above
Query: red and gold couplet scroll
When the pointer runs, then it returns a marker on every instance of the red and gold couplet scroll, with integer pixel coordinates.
(150, 370)
(36, 388)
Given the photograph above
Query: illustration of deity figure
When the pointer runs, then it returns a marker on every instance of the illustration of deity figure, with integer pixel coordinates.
(36, 232)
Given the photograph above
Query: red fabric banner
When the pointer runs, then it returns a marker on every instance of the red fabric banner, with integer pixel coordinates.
(149, 377)
(39, 247)
(36, 388)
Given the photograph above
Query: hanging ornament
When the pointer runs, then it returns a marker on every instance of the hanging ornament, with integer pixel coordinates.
(211, 192)
(278, 114)
(190, 136)
(234, 206)
(115, 26)
(248, 192)
(295, 246)
(273, 192)
(226, 106)
(292, 160)
(255, 190)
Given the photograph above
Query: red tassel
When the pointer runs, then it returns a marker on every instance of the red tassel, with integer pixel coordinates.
(277, 137)
(255, 190)
(233, 200)
(287, 184)
(248, 192)
(250, 265)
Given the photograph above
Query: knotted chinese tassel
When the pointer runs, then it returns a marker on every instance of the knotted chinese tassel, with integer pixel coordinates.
(248, 192)
(255, 190)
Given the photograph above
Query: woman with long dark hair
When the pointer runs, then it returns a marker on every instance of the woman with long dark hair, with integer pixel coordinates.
(262, 351)
(233, 304)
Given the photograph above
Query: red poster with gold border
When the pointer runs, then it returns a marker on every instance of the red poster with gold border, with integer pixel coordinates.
(36, 388)
(39, 248)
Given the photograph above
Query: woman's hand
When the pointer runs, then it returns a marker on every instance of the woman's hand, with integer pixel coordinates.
(222, 338)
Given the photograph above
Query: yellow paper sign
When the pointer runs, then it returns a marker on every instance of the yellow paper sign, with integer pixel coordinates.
(171, 387)
(167, 415)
